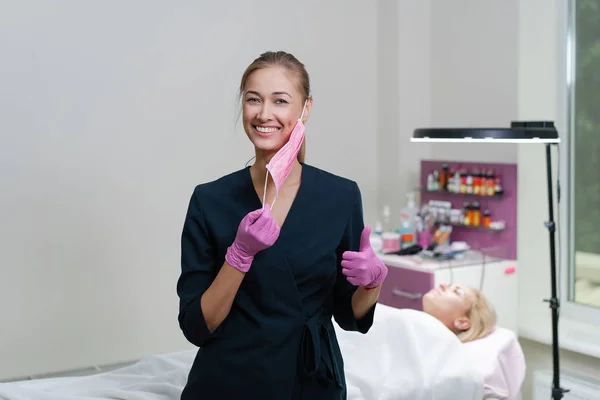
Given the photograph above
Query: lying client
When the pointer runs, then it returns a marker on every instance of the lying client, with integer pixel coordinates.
(464, 310)
(451, 349)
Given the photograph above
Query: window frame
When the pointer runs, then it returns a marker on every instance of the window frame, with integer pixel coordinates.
(579, 324)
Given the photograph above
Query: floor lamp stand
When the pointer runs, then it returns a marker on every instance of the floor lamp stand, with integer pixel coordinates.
(557, 391)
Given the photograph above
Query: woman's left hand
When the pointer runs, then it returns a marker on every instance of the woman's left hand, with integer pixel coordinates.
(363, 267)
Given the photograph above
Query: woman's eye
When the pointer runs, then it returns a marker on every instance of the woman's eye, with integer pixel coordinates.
(280, 101)
(251, 100)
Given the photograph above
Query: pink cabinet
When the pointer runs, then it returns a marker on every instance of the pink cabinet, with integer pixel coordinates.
(404, 287)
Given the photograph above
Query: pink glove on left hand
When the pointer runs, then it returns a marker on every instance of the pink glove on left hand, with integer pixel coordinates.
(363, 267)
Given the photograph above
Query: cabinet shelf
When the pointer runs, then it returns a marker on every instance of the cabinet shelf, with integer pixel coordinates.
(481, 228)
(444, 193)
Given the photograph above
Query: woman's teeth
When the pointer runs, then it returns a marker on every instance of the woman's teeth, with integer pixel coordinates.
(266, 130)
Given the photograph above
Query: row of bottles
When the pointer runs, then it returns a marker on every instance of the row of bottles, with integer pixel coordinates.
(471, 214)
(477, 181)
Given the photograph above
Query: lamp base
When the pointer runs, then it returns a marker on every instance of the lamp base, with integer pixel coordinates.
(558, 393)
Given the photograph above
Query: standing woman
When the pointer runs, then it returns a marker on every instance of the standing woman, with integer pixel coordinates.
(272, 252)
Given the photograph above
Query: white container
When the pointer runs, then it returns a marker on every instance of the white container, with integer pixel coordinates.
(391, 241)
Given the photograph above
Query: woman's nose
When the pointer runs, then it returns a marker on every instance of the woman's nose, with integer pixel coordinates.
(443, 286)
(264, 113)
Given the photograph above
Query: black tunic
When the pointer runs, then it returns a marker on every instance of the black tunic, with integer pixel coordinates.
(278, 341)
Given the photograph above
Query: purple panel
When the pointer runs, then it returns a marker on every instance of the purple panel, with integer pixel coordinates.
(501, 208)
(404, 288)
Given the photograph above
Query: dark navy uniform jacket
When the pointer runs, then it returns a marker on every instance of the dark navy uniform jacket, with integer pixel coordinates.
(278, 341)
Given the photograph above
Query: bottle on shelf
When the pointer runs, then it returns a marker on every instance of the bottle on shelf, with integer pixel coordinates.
(498, 186)
(468, 214)
(456, 182)
(476, 182)
(387, 213)
(422, 232)
(469, 183)
(444, 176)
(390, 240)
(408, 216)
(376, 239)
(431, 184)
(450, 187)
(463, 181)
(490, 183)
(476, 214)
(487, 218)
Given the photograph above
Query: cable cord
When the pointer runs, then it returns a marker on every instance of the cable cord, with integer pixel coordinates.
(482, 275)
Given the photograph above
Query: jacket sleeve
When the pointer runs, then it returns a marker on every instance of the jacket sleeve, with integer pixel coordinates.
(198, 270)
(344, 290)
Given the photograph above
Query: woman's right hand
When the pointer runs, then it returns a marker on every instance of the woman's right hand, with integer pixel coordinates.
(257, 231)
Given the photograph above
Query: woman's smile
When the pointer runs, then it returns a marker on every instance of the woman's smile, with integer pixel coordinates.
(266, 131)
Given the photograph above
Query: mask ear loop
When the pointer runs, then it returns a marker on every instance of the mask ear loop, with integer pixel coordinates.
(264, 201)
(303, 109)
(265, 190)
(275, 199)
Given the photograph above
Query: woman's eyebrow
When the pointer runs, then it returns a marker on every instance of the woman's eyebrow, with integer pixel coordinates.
(279, 93)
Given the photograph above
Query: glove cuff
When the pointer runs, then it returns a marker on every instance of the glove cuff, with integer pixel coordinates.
(380, 277)
(237, 258)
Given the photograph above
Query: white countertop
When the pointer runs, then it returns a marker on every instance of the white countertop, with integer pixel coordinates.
(471, 257)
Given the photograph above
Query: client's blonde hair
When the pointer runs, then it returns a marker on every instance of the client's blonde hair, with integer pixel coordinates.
(482, 316)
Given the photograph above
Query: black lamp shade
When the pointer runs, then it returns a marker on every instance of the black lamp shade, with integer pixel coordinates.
(519, 132)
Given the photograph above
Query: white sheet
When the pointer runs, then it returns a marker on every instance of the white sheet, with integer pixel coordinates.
(160, 377)
(501, 361)
(408, 355)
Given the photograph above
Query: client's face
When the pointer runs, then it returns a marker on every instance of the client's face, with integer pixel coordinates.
(450, 304)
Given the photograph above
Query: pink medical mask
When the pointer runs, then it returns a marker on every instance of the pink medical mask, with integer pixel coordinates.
(282, 162)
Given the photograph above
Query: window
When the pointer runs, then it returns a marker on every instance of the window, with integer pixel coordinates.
(584, 154)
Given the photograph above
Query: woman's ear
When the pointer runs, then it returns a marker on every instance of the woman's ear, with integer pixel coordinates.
(462, 323)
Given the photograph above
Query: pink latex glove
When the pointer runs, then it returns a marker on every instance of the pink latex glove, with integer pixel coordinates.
(363, 267)
(257, 231)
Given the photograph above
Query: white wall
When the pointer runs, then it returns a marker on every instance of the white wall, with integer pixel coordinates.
(110, 116)
(404, 96)
(473, 74)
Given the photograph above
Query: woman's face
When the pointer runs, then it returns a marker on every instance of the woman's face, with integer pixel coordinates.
(272, 103)
(450, 304)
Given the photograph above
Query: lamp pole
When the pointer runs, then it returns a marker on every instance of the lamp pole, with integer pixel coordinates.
(557, 391)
